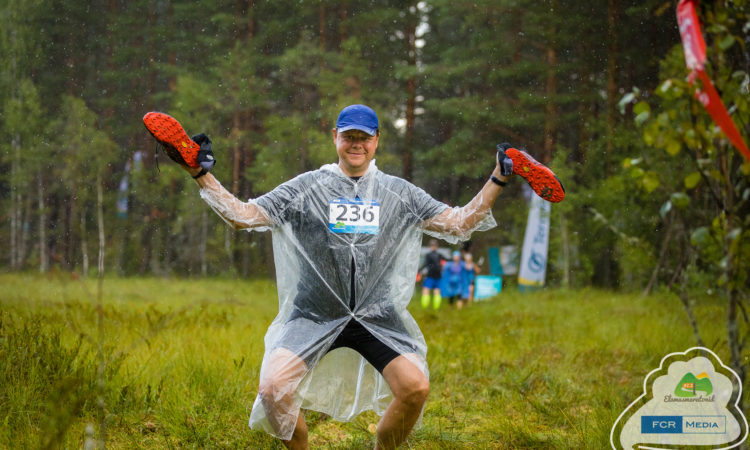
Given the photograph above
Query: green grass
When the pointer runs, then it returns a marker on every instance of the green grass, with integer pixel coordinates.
(176, 363)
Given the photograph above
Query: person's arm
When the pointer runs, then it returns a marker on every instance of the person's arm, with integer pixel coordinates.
(236, 213)
(460, 221)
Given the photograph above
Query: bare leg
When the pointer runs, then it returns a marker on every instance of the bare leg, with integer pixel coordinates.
(410, 388)
(277, 387)
(299, 438)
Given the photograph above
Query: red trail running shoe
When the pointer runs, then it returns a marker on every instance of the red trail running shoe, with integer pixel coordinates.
(541, 179)
(170, 134)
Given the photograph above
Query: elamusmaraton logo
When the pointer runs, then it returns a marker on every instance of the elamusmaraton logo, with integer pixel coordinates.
(681, 410)
(692, 385)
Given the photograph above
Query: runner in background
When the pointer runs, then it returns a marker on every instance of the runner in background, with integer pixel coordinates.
(433, 262)
(470, 272)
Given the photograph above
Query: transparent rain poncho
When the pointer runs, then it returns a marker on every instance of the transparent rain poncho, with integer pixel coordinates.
(325, 226)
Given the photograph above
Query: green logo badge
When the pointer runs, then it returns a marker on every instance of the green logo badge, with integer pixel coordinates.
(690, 385)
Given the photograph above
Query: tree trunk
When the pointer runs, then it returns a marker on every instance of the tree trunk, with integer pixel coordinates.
(342, 21)
(613, 7)
(411, 92)
(230, 236)
(322, 26)
(112, 13)
(204, 239)
(15, 205)
(550, 123)
(250, 19)
(84, 244)
(228, 247)
(151, 44)
(550, 120)
(662, 256)
(43, 254)
(73, 228)
(584, 116)
(25, 223)
(247, 187)
(70, 63)
(61, 234)
(171, 56)
(688, 308)
(246, 240)
(100, 223)
(565, 244)
(236, 153)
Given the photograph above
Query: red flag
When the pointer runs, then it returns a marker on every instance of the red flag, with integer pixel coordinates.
(695, 57)
(692, 39)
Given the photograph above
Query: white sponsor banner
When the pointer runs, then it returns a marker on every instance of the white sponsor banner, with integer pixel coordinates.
(509, 259)
(534, 254)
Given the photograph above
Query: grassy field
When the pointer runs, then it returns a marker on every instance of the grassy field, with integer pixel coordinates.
(174, 363)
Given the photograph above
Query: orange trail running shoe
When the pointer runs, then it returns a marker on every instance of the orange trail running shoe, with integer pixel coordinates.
(541, 179)
(170, 134)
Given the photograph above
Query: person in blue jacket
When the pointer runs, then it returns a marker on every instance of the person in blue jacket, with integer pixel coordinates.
(453, 279)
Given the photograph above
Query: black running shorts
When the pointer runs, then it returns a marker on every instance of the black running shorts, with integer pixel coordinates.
(298, 331)
(358, 338)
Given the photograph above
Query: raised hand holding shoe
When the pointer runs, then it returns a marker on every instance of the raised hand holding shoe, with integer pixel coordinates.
(206, 154)
(505, 163)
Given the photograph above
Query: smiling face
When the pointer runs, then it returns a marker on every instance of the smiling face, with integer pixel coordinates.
(355, 149)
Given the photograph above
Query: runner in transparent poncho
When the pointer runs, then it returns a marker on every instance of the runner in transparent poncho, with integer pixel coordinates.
(346, 241)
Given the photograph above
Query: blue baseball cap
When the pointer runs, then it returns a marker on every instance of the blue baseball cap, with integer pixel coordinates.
(358, 117)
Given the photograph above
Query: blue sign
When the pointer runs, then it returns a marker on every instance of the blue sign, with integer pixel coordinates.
(487, 286)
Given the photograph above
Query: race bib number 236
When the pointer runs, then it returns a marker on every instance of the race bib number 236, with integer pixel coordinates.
(346, 215)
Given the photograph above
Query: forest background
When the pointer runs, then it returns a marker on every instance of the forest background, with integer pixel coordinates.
(265, 80)
(449, 79)
(656, 196)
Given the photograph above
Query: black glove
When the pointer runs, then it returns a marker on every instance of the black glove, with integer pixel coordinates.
(205, 154)
(505, 163)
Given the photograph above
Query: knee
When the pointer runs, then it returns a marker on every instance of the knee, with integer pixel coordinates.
(417, 391)
(274, 391)
(279, 377)
(265, 391)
